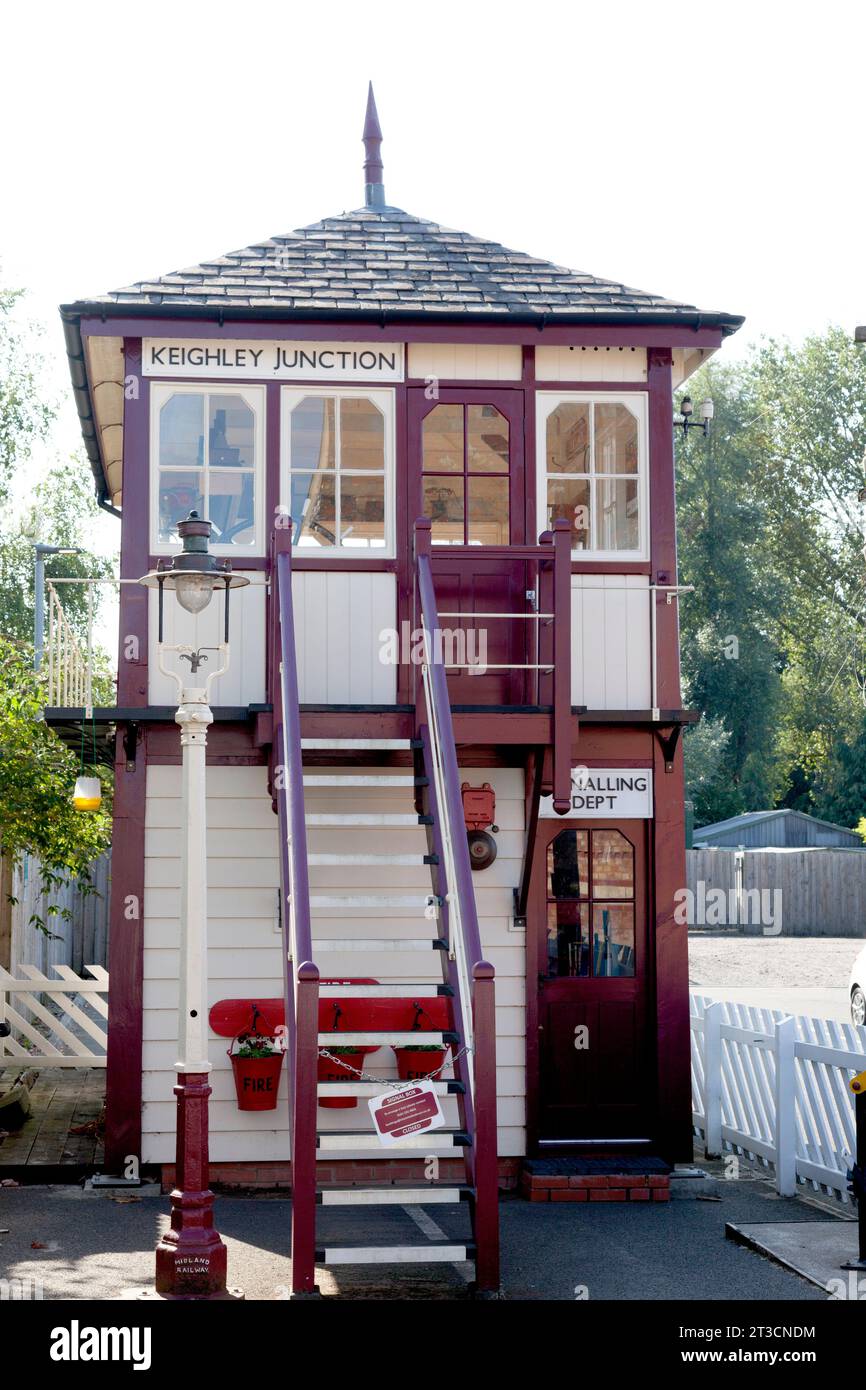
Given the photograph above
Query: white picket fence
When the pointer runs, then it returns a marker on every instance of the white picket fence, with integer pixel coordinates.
(775, 1088)
(60, 1022)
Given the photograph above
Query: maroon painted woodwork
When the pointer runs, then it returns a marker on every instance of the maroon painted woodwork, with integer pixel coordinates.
(385, 328)
(486, 1141)
(191, 1256)
(229, 1017)
(126, 959)
(562, 667)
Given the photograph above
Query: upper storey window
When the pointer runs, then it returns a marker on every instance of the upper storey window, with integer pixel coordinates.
(208, 458)
(337, 450)
(592, 454)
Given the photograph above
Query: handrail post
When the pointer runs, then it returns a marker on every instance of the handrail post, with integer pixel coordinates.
(786, 1113)
(486, 1174)
(562, 667)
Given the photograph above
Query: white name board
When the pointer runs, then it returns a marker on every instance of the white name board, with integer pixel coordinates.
(272, 361)
(607, 793)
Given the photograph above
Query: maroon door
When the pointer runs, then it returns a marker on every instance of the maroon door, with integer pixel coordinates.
(595, 1062)
(466, 458)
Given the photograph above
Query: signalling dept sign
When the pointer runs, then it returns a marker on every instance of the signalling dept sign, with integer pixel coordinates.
(607, 793)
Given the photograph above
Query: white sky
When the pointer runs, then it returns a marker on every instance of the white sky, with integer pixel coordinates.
(711, 152)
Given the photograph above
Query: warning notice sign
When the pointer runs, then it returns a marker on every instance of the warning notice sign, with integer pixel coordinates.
(411, 1110)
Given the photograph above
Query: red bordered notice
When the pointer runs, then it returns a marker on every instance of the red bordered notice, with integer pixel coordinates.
(411, 1110)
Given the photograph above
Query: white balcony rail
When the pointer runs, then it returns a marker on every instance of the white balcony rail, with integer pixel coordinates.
(67, 656)
(775, 1088)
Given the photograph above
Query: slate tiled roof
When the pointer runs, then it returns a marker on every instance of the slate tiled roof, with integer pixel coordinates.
(379, 260)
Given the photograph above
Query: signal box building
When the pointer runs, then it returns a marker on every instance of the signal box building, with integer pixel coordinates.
(421, 432)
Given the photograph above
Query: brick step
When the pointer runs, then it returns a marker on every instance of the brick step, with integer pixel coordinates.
(608, 1179)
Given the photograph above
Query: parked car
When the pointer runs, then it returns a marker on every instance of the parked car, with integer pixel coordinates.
(857, 989)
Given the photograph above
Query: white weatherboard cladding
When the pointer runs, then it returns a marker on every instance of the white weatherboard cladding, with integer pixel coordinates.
(590, 364)
(244, 941)
(611, 663)
(465, 362)
(244, 682)
(339, 616)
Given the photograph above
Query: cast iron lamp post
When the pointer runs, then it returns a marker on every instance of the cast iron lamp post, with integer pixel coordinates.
(191, 1256)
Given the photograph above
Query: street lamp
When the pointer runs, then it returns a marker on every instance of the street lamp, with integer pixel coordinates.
(191, 1256)
(688, 421)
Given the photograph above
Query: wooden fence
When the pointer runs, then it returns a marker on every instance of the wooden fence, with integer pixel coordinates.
(775, 1088)
(56, 1021)
(77, 940)
(821, 892)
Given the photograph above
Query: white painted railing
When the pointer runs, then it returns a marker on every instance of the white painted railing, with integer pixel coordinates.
(775, 1088)
(72, 1034)
(69, 662)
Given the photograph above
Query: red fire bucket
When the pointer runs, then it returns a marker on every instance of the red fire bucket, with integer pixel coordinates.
(330, 1070)
(414, 1064)
(257, 1079)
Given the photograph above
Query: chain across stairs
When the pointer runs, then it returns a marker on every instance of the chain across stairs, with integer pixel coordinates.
(380, 1081)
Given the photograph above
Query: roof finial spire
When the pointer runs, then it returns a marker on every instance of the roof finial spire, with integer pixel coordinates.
(374, 188)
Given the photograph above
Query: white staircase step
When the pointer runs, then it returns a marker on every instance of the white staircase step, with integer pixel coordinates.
(435, 1252)
(373, 744)
(393, 1196)
(348, 819)
(395, 991)
(385, 1037)
(367, 900)
(369, 860)
(379, 944)
(378, 1088)
(361, 779)
(433, 1141)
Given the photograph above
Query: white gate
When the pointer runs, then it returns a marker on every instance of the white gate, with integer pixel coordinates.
(775, 1088)
(59, 1022)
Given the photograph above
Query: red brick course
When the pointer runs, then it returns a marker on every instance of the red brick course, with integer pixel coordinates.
(341, 1173)
(607, 1187)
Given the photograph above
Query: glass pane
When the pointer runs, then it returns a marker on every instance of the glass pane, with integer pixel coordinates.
(312, 441)
(570, 498)
(179, 494)
(488, 511)
(314, 509)
(442, 440)
(568, 438)
(362, 512)
(568, 865)
(231, 437)
(443, 502)
(232, 508)
(362, 435)
(613, 940)
(615, 440)
(181, 431)
(617, 514)
(487, 443)
(612, 865)
(567, 944)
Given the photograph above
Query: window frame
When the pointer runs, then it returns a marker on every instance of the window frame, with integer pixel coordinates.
(255, 398)
(384, 399)
(636, 403)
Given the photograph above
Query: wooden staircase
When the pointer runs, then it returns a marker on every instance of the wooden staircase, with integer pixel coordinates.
(438, 928)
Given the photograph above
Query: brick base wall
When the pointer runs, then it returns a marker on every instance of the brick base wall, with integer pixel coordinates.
(227, 1177)
(602, 1187)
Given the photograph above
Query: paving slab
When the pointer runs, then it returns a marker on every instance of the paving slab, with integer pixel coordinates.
(815, 1250)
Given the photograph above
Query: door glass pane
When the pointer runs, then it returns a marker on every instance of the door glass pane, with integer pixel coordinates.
(567, 939)
(442, 440)
(362, 512)
(362, 435)
(443, 502)
(231, 432)
(616, 514)
(615, 439)
(179, 494)
(613, 940)
(312, 440)
(570, 498)
(314, 509)
(488, 511)
(181, 431)
(568, 438)
(487, 442)
(568, 865)
(612, 865)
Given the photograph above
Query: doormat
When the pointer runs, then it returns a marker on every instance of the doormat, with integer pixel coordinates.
(609, 1179)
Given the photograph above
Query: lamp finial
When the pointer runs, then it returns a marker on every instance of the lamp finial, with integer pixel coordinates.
(374, 188)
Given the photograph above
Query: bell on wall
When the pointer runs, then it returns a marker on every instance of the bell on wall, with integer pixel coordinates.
(87, 795)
